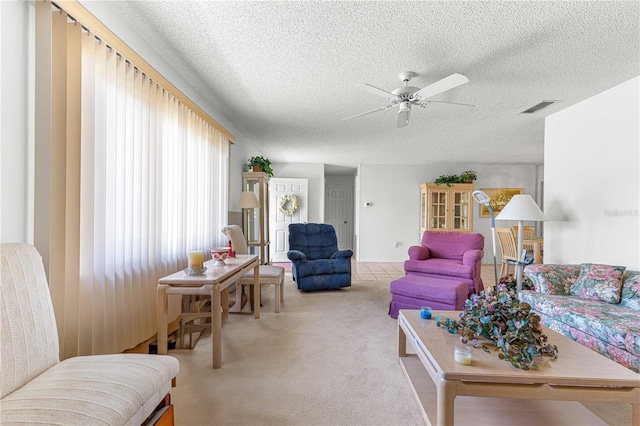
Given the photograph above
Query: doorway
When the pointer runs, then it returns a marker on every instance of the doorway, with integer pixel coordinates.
(279, 222)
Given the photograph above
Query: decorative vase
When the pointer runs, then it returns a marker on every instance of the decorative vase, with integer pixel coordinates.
(257, 169)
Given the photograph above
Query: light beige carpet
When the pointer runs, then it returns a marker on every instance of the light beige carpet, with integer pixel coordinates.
(328, 358)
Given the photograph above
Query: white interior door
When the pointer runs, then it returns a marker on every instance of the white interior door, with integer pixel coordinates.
(338, 214)
(279, 222)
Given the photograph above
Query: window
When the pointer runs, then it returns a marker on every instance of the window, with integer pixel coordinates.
(130, 178)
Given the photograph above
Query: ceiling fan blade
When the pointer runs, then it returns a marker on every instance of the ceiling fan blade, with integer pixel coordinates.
(379, 92)
(445, 106)
(454, 80)
(403, 117)
(368, 112)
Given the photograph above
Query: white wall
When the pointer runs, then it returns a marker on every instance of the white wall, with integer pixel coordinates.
(394, 216)
(16, 148)
(592, 180)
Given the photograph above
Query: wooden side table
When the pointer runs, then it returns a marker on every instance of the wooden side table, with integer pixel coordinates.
(213, 282)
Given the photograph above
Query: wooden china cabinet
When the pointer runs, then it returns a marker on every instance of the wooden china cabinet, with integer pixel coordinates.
(446, 208)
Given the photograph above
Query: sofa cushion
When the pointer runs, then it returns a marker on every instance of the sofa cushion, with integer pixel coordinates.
(315, 240)
(599, 282)
(630, 294)
(427, 289)
(29, 342)
(85, 391)
(552, 279)
(443, 267)
(323, 267)
(616, 325)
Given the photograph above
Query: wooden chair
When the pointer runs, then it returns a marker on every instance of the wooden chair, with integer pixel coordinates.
(527, 232)
(508, 246)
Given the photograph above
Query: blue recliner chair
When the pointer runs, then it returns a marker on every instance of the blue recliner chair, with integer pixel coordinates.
(317, 262)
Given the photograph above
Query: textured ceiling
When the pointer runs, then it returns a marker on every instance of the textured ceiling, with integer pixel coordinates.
(285, 73)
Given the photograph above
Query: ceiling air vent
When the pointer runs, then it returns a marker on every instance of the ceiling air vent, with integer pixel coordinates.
(538, 107)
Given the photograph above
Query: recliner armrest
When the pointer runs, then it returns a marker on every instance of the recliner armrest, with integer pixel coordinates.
(341, 254)
(296, 255)
(471, 257)
(419, 253)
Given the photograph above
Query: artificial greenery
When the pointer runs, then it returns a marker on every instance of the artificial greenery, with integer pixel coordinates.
(263, 163)
(500, 317)
(466, 176)
(511, 282)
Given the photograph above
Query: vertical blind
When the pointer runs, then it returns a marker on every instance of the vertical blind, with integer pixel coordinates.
(136, 179)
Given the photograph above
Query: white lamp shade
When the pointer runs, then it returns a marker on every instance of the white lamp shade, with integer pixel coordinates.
(248, 200)
(521, 207)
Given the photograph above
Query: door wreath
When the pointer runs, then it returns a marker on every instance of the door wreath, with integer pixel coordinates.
(288, 204)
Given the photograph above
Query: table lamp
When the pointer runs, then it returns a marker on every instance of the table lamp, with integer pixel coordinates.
(248, 200)
(521, 207)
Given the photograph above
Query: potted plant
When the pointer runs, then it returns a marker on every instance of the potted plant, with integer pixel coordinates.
(511, 325)
(465, 177)
(468, 176)
(446, 179)
(260, 164)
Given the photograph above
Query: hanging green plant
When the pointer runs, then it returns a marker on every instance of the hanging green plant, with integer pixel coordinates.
(511, 325)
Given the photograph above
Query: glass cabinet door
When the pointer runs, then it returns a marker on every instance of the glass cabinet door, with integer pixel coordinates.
(438, 211)
(256, 220)
(461, 211)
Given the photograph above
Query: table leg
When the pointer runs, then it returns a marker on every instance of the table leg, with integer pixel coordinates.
(216, 326)
(402, 341)
(161, 315)
(445, 400)
(225, 304)
(635, 414)
(537, 257)
(256, 291)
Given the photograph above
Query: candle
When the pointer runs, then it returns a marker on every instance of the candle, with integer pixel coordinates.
(196, 260)
(425, 312)
(462, 355)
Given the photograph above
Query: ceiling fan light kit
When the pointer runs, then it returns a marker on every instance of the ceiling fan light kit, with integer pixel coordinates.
(404, 97)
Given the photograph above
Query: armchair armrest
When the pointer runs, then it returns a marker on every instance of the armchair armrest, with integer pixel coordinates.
(341, 254)
(419, 253)
(296, 255)
(472, 257)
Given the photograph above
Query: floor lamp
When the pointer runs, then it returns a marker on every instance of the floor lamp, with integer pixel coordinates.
(483, 198)
(521, 207)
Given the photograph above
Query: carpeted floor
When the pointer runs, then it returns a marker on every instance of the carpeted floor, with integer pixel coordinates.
(328, 358)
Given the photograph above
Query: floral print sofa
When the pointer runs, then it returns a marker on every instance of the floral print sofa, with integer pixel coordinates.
(598, 306)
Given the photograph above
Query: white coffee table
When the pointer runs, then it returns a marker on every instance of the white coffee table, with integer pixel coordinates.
(578, 374)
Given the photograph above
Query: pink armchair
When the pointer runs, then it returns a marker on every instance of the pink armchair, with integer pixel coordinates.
(448, 255)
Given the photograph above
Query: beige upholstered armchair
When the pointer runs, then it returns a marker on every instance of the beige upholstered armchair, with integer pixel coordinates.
(37, 388)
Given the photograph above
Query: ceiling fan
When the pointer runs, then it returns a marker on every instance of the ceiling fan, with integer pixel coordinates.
(404, 97)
